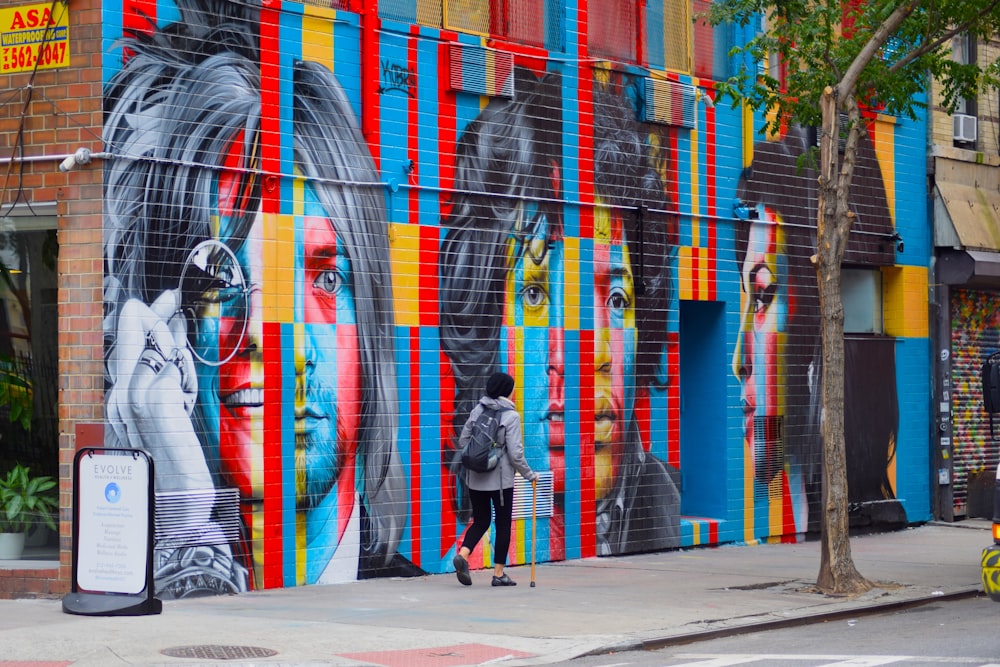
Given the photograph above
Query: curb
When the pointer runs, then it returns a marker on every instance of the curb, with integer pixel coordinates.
(657, 643)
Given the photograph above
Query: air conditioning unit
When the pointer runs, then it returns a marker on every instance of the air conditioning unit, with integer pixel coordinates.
(963, 127)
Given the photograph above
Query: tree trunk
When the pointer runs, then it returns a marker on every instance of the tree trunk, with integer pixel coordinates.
(837, 573)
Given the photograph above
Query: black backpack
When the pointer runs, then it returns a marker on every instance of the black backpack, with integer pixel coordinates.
(483, 452)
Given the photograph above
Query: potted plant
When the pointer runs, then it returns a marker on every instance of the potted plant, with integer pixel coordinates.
(24, 501)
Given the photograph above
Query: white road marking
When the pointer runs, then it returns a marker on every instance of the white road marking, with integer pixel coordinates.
(868, 661)
(725, 659)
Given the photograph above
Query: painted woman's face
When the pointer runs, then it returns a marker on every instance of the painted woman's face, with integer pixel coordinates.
(763, 327)
(226, 330)
(327, 362)
(615, 342)
(534, 342)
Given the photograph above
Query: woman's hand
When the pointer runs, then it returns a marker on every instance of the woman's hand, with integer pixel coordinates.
(154, 392)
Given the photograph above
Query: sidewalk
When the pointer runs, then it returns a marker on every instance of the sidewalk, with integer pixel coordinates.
(585, 606)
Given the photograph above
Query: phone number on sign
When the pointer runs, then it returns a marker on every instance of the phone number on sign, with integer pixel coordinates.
(28, 55)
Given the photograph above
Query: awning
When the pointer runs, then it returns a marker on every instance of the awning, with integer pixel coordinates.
(969, 268)
(974, 214)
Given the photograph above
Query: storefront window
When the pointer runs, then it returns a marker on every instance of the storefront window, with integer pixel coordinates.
(29, 383)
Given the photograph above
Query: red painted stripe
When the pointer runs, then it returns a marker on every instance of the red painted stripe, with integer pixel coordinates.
(428, 279)
(788, 511)
(677, 105)
(641, 37)
(588, 505)
(711, 185)
(695, 265)
(448, 481)
(586, 160)
(446, 128)
(270, 102)
(414, 445)
(502, 70)
(272, 464)
(532, 57)
(138, 16)
(585, 112)
(272, 138)
(674, 400)
(642, 417)
(454, 62)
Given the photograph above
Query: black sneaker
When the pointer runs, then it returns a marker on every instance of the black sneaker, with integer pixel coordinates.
(462, 570)
(504, 581)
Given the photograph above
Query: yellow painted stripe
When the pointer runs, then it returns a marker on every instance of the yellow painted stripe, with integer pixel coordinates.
(317, 34)
(404, 258)
(695, 183)
(776, 504)
(905, 301)
(685, 273)
(491, 70)
(693, 283)
(885, 150)
(748, 135)
(278, 249)
(571, 283)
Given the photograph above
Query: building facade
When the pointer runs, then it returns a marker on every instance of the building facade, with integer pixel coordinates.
(304, 236)
(965, 176)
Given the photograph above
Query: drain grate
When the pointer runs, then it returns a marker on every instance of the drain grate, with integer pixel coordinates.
(218, 652)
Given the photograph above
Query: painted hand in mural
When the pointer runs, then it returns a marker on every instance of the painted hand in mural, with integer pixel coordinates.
(153, 394)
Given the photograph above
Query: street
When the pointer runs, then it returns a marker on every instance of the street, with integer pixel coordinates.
(962, 632)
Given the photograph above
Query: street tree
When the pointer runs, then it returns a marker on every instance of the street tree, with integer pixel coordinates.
(842, 58)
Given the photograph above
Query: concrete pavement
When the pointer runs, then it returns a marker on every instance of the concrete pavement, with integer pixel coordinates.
(579, 607)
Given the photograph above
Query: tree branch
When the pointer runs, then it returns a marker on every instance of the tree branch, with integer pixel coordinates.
(947, 35)
(876, 42)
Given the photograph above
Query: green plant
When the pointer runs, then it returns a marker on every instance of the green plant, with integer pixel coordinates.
(15, 392)
(25, 500)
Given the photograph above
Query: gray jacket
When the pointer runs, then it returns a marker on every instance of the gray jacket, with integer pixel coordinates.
(501, 477)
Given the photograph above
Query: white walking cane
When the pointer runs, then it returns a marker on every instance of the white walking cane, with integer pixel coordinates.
(534, 494)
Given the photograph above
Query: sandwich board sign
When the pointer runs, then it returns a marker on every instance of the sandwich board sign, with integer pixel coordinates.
(113, 522)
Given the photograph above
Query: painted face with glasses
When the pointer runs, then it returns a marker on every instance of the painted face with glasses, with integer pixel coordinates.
(224, 306)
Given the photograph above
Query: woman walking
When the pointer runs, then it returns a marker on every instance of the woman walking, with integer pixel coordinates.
(495, 487)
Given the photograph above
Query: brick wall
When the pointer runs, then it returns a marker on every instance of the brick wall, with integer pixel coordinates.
(988, 141)
(32, 583)
(47, 115)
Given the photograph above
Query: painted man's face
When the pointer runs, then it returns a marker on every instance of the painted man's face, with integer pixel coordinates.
(763, 331)
(327, 362)
(615, 341)
(534, 333)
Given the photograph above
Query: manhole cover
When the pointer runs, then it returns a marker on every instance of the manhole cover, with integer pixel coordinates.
(217, 652)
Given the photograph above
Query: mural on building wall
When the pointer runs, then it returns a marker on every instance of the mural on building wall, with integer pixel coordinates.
(505, 231)
(777, 356)
(191, 354)
(297, 337)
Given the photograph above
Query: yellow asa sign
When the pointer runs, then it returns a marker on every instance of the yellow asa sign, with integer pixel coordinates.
(34, 37)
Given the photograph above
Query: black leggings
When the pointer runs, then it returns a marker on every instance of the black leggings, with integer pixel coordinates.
(481, 501)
